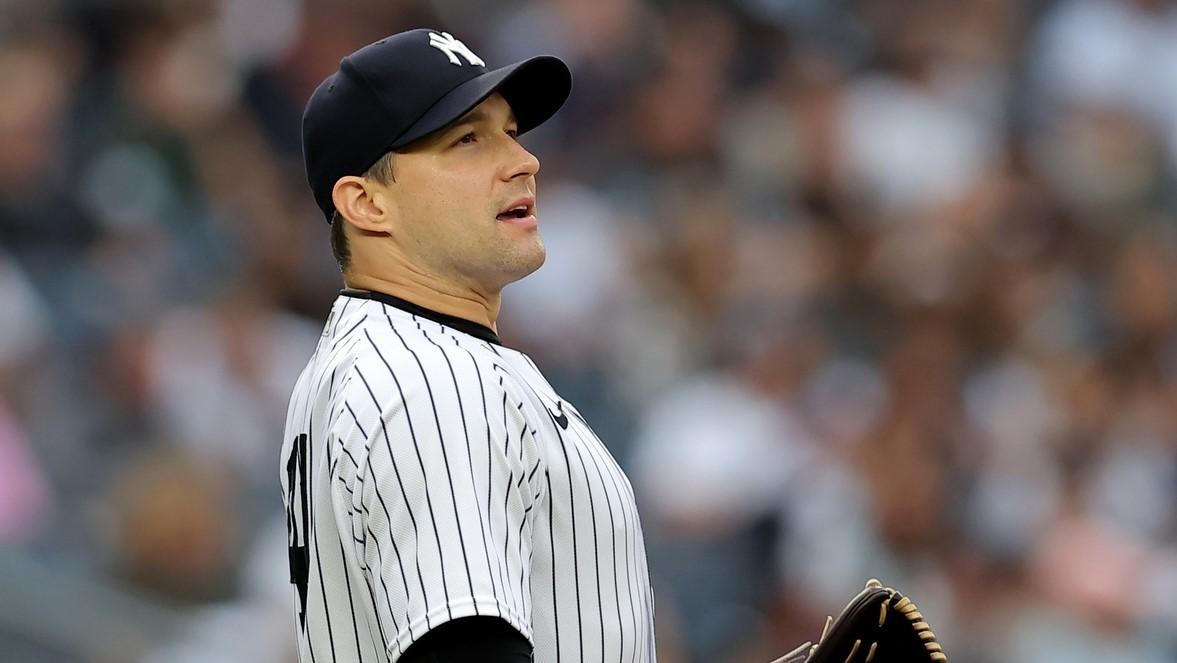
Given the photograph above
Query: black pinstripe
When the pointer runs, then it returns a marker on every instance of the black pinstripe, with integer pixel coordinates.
(613, 548)
(318, 557)
(575, 547)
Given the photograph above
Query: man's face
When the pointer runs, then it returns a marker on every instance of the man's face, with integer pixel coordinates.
(454, 192)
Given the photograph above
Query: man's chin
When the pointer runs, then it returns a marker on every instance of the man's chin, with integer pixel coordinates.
(526, 263)
(530, 264)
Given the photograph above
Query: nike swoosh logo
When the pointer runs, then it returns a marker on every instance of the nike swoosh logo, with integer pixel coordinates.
(562, 420)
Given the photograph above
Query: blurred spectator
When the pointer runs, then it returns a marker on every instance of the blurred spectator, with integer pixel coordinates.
(169, 530)
(218, 378)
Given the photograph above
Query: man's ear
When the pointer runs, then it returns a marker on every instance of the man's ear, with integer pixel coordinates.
(363, 203)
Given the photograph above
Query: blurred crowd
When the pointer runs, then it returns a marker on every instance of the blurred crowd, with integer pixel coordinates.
(852, 288)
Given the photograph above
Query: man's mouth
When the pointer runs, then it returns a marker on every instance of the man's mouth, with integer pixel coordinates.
(520, 208)
(514, 213)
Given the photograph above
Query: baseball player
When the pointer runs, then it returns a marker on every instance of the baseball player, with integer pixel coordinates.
(443, 502)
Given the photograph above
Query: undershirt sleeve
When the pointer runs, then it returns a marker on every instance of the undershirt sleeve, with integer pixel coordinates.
(471, 640)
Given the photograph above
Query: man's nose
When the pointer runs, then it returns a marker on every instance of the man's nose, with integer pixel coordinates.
(522, 163)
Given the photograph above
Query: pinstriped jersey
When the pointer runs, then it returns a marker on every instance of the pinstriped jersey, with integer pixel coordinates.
(430, 473)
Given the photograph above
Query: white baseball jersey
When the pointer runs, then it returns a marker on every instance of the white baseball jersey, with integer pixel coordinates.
(429, 474)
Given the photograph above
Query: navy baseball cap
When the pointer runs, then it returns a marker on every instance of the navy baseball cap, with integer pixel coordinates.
(404, 87)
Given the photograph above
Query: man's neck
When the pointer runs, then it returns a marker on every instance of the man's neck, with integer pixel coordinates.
(412, 287)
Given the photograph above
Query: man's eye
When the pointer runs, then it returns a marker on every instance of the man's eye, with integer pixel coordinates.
(467, 138)
(513, 133)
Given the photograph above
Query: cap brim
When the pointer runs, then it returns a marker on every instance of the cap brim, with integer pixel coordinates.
(535, 89)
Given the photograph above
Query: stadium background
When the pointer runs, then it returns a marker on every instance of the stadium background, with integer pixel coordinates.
(852, 288)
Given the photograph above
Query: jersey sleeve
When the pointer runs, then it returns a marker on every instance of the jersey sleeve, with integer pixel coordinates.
(445, 494)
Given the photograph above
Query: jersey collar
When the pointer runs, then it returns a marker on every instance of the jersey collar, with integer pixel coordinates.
(461, 324)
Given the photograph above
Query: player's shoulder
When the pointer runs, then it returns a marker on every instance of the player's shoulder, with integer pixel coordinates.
(519, 373)
(384, 343)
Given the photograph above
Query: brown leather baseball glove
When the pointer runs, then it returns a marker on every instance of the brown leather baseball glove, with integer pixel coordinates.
(880, 625)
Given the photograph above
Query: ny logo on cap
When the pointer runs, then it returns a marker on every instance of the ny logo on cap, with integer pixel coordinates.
(446, 43)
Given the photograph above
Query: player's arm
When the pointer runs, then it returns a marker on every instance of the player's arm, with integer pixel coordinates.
(444, 507)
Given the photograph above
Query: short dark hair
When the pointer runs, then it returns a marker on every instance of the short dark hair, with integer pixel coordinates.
(339, 246)
(382, 172)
